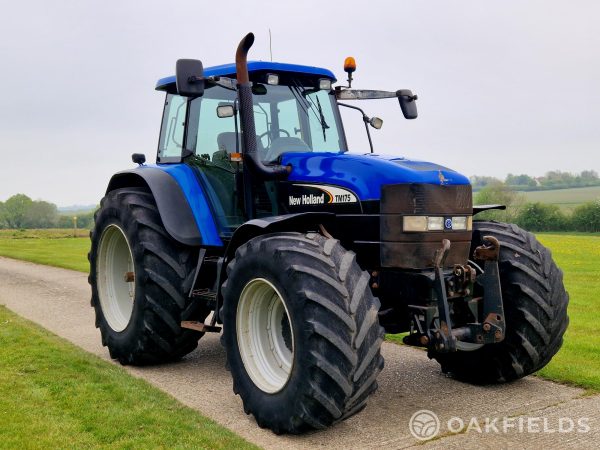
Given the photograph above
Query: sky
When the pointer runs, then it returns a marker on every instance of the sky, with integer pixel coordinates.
(504, 87)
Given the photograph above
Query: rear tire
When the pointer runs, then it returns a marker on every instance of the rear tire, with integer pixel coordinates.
(140, 319)
(322, 367)
(535, 307)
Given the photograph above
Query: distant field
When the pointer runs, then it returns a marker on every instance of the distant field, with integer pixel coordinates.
(566, 199)
(51, 247)
(50, 233)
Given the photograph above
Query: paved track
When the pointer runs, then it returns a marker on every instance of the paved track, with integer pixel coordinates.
(58, 299)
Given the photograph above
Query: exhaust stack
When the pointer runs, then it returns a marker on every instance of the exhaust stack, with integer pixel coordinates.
(251, 157)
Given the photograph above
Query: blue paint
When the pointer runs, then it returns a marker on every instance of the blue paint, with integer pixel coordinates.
(365, 174)
(228, 70)
(193, 192)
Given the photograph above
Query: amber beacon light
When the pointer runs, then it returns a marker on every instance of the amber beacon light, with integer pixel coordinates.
(349, 67)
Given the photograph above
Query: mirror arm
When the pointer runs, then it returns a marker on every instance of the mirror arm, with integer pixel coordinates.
(365, 120)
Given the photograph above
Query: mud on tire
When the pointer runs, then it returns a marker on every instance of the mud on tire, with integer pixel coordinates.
(336, 333)
(535, 308)
(163, 277)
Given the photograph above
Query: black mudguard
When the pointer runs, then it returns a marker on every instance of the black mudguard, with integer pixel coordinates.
(173, 207)
(300, 222)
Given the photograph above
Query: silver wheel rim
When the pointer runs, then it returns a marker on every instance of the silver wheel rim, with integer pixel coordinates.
(265, 335)
(116, 278)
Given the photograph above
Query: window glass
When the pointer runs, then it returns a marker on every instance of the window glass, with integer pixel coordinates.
(207, 132)
(173, 126)
(324, 132)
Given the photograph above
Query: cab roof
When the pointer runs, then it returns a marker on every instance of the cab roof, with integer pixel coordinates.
(255, 69)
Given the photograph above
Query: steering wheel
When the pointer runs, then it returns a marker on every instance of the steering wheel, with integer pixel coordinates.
(261, 136)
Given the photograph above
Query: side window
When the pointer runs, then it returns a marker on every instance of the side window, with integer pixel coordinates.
(214, 133)
(288, 117)
(173, 126)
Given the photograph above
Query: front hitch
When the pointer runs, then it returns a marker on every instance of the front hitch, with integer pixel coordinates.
(432, 324)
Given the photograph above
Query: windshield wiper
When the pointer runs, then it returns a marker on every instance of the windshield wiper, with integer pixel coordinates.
(324, 125)
(304, 99)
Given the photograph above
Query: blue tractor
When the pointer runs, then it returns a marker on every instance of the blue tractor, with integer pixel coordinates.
(257, 220)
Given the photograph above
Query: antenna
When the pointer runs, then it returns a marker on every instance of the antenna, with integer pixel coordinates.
(270, 45)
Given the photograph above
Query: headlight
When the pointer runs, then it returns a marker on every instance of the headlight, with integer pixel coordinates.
(462, 223)
(437, 223)
(414, 223)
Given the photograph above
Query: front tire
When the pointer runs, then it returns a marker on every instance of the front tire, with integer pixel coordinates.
(140, 278)
(535, 308)
(301, 331)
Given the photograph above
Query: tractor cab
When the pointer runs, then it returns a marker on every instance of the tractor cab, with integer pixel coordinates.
(294, 110)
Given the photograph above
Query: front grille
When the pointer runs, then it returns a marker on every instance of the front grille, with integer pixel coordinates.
(417, 250)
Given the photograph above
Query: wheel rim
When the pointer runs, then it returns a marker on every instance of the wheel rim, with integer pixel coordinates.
(265, 335)
(116, 278)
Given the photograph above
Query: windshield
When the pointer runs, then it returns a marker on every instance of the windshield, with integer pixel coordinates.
(287, 118)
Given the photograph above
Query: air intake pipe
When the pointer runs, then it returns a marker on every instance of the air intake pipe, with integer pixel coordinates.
(251, 157)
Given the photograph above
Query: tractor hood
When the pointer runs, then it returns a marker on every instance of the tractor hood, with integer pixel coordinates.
(365, 174)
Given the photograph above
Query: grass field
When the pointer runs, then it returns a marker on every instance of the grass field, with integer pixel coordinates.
(578, 362)
(566, 199)
(68, 253)
(54, 395)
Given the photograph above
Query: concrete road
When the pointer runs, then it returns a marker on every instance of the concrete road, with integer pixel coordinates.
(530, 413)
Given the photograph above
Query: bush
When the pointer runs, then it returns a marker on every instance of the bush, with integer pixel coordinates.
(542, 217)
(586, 217)
(500, 194)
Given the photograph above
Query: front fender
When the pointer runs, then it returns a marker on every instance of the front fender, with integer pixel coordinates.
(300, 222)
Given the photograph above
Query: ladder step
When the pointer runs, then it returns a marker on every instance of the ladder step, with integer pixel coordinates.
(200, 326)
(204, 293)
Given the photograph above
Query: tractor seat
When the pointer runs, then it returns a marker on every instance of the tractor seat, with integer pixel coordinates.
(226, 145)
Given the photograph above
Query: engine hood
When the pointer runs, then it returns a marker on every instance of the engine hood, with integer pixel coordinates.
(365, 174)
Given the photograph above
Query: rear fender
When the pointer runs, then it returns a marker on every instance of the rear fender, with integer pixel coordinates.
(172, 197)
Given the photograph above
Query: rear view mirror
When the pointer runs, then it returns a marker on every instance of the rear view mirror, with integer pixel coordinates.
(408, 103)
(225, 111)
(189, 77)
(376, 122)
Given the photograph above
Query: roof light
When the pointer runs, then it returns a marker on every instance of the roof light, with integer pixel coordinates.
(272, 79)
(324, 84)
(349, 64)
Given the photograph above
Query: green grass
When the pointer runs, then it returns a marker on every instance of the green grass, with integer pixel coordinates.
(68, 253)
(50, 233)
(54, 395)
(578, 362)
(566, 199)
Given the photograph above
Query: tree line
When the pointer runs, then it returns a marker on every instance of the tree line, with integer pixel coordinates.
(536, 216)
(555, 179)
(20, 211)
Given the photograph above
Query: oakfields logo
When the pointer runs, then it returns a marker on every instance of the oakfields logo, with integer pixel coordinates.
(425, 425)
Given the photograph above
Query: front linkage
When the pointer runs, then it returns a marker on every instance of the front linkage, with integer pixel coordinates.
(432, 325)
